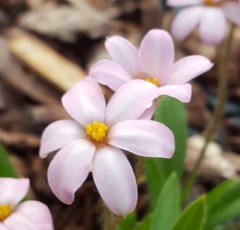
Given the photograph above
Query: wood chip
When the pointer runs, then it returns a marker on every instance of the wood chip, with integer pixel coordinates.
(43, 59)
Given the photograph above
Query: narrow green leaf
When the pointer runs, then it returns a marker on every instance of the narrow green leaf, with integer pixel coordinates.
(145, 223)
(170, 112)
(6, 168)
(168, 206)
(193, 216)
(127, 222)
(223, 203)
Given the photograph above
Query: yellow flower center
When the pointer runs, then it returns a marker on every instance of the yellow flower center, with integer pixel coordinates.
(97, 131)
(212, 3)
(153, 80)
(5, 211)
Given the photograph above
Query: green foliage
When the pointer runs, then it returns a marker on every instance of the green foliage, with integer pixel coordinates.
(168, 206)
(193, 216)
(6, 168)
(145, 223)
(170, 112)
(127, 222)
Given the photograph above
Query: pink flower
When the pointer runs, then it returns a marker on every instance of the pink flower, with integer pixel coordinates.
(94, 139)
(210, 15)
(21, 216)
(153, 62)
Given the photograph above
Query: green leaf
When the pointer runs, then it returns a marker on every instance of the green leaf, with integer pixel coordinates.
(168, 206)
(127, 222)
(170, 112)
(193, 216)
(223, 203)
(145, 223)
(6, 168)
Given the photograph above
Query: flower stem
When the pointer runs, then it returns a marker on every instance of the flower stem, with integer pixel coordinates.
(110, 220)
(139, 168)
(209, 132)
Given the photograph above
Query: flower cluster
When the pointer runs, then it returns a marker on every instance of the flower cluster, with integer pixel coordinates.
(95, 139)
(210, 15)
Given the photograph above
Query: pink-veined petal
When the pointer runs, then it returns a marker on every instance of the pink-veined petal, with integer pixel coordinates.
(188, 68)
(85, 102)
(58, 134)
(177, 3)
(13, 190)
(185, 21)
(109, 73)
(156, 54)
(115, 181)
(70, 168)
(232, 11)
(180, 92)
(124, 53)
(148, 113)
(130, 101)
(30, 215)
(212, 26)
(143, 138)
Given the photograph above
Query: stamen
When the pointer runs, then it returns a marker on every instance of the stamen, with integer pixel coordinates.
(212, 2)
(5, 211)
(97, 131)
(153, 80)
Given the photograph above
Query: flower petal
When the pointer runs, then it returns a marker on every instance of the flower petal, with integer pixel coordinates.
(185, 22)
(3, 227)
(114, 178)
(85, 102)
(143, 138)
(188, 68)
(58, 134)
(180, 92)
(13, 190)
(183, 2)
(70, 168)
(30, 215)
(130, 101)
(232, 11)
(209, 32)
(148, 113)
(109, 73)
(124, 53)
(156, 54)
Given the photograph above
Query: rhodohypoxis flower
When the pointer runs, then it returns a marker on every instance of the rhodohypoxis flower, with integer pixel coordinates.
(94, 139)
(21, 216)
(210, 15)
(153, 62)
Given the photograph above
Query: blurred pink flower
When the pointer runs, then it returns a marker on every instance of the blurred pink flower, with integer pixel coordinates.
(210, 15)
(153, 62)
(21, 216)
(94, 139)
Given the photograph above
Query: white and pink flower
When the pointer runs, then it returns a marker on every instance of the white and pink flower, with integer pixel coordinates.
(94, 140)
(153, 62)
(210, 15)
(21, 216)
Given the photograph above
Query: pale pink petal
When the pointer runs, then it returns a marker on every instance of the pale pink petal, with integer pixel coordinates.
(124, 53)
(3, 227)
(188, 68)
(109, 73)
(85, 102)
(30, 215)
(130, 101)
(143, 138)
(232, 11)
(58, 134)
(212, 26)
(115, 181)
(180, 92)
(183, 2)
(185, 22)
(13, 190)
(70, 168)
(148, 113)
(156, 54)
